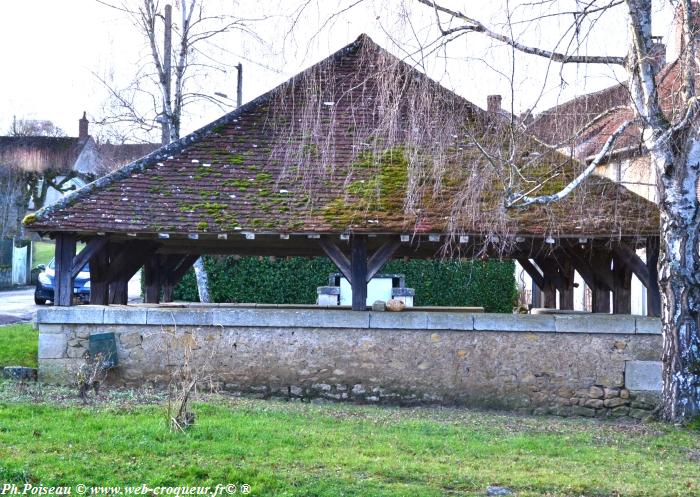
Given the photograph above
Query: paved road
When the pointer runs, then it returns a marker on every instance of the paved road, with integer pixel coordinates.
(17, 304)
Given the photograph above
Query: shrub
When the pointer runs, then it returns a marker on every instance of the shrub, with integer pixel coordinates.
(293, 280)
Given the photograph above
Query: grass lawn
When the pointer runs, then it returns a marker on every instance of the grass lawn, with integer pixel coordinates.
(294, 449)
(43, 253)
(18, 345)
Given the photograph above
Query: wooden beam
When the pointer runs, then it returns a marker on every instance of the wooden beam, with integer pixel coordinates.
(99, 285)
(550, 271)
(152, 272)
(358, 251)
(653, 292)
(622, 292)
(63, 280)
(592, 269)
(175, 267)
(566, 295)
(381, 256)
(93, 246)
(532, 271)
(629, 258)
(129, 260)
(338, 257)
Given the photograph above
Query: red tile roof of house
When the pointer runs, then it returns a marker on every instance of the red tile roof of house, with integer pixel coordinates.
(359, 142)
(585, 123)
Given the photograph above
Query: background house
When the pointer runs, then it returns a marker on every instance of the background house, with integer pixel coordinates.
(36, 171)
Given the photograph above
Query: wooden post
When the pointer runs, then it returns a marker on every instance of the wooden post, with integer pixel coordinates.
(566, 293)
(63, 281)
(99, 285)
(653, 293)
(358, 262)
(600, 263)
(174, 268)
(152, 279)
(622, 287)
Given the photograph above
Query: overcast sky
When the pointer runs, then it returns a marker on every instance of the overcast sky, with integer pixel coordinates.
(54, 51)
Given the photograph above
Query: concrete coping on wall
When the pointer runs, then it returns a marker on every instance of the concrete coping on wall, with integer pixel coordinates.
(315, 317)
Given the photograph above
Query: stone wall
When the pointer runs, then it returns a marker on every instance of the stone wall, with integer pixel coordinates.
(561, 364)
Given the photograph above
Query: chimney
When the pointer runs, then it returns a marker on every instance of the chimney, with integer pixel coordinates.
(657, 53)
(83, 127)
(493, 104)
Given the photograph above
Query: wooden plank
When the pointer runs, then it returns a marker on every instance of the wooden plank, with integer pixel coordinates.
(99, 285)
(337, 256)
(653, 291)
(152, 272)
(93, 246)
(622, 291)
(566, 295)
(358, 269)
(175, 268)
(63, 280)
(629, 258)
(380, 257)
(532, 271)
(128, 261)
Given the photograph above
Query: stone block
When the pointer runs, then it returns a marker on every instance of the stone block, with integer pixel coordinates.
(461, 321)
(130, 340)
(583, 411)
(594, 403)
(615, 402)
(596, 392)
(19, 373)
(52, 345)
(59, 371)
(513, 322)
(179, 317)
(643, 375)
(649, 326)
(609, 393)
(594, 323)
(125, 315)
(84, 314)
(412, 320)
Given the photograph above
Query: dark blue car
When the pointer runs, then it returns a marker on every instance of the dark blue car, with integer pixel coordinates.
(45, 284)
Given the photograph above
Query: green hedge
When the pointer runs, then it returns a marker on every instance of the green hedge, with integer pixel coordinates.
(293, 280)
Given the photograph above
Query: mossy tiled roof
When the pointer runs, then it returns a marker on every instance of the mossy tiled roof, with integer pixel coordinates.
(333, 151)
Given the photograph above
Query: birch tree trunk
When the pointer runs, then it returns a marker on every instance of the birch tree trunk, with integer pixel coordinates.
(200, 273)
(679, 281)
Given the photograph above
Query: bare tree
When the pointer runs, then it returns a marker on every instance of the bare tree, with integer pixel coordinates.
(160, 91)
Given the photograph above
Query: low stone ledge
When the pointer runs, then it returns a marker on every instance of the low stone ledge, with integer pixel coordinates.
(595, 323)
(182, 317)
(514, 322)
(50, 320)
(647, 325)
(304, 318)
(454, 321)
(84, 314)
(405, 320)
(124, 315)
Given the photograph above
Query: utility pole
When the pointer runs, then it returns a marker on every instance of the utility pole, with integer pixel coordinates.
(239, 85)
(167, 61)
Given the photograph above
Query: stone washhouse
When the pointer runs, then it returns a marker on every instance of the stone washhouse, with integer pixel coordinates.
(362, 158)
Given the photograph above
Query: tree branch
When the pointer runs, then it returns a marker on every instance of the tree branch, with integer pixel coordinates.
(521, 200)
(472, 25)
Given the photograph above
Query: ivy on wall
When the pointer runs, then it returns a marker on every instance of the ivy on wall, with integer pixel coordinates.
(293, 280)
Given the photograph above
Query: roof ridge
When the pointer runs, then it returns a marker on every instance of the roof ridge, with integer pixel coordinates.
(164, 152)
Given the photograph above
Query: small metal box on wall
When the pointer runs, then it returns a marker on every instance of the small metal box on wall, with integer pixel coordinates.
(106, 345)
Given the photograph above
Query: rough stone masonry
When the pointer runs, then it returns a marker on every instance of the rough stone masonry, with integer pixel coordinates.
(560, 364)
